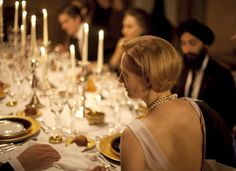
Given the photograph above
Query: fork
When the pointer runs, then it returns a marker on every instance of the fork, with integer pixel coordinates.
(103, 162)
(6, 147)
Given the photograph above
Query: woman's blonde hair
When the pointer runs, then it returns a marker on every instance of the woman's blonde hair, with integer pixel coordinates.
(155, 60)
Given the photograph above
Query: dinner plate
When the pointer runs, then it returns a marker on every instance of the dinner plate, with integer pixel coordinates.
(13, 127)
(22, 128)
(105, 147)
(115, 145)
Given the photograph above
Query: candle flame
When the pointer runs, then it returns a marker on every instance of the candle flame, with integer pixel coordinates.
(33, 20)
(24, 13)
(43, 51)
(22, 27)
(1, 2)
(17, 4)
(23, 3)
(101, 34)
(44, 12)
(72, 48)
(86, 27)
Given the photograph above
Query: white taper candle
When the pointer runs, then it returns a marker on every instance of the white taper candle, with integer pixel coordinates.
(100, 51)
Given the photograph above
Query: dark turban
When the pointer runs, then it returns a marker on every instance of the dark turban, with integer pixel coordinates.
(199, 30)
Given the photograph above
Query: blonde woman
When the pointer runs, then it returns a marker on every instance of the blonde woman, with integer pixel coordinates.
(159, 141)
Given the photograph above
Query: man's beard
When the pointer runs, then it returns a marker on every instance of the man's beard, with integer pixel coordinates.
(194, 61)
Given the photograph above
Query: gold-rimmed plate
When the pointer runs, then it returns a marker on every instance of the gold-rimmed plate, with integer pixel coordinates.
(115, 145)
(32, 130)
(105, 147)
(12, 127)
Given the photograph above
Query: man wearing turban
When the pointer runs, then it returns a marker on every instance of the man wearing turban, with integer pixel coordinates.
(202, 77)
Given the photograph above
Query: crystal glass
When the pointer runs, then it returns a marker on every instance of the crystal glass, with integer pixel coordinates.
(56, 105)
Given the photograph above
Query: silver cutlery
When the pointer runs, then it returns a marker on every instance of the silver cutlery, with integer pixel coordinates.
(6, 147)
(103, 162)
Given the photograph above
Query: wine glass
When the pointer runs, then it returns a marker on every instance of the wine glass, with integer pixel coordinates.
(56, 105)
(73, 104)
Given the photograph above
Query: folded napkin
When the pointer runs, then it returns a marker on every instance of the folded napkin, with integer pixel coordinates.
(74, 160)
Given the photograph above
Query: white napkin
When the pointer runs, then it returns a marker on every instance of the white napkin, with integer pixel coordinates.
(74, 160)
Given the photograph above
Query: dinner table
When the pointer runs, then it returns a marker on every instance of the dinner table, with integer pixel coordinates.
(26, 85)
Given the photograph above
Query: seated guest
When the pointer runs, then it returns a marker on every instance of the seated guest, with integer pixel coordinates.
(71, 21)
(202, 77)
(160, 140)
(135, 23)
(36, 157)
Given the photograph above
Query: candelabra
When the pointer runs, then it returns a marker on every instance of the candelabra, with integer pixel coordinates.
(83, 79)
(34, 102)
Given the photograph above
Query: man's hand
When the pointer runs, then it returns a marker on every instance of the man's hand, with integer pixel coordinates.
(39, 156)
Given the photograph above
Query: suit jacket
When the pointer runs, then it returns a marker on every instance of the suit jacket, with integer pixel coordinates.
(219, 144)
(6, 167)
(217, 90)
(92, 44)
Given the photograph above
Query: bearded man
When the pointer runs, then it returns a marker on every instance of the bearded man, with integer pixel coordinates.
(202, 77)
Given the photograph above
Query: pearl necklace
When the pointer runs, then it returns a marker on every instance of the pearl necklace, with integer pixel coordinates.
(159, 101)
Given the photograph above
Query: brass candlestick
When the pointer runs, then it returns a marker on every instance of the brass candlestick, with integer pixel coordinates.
(34, 102)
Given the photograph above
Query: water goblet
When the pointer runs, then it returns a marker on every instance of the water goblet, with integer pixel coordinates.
(56, 105)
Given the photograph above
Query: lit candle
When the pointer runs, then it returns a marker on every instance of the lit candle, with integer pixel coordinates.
(1, 19)
(16, 16)
(100, 51)
(85, 43)
(45, 61)
(45, 28)
(33, 35)
(72, 57)
(22, 35)
(24, 14)
(23, 5)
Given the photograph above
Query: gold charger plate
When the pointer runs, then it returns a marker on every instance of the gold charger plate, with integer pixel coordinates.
(13, 127)
(115, 145)
(105, 147)
(34, 129)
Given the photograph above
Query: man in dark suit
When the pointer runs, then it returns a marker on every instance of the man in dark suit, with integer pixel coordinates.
(72, 22)
(202, 77)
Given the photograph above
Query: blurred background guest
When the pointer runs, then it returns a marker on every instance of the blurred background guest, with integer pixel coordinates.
(135, 24)
(72, 21)
(202, 77)
(108, 15)
(160, 25)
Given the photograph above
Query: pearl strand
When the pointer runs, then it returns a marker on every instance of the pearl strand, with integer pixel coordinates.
(159, 101)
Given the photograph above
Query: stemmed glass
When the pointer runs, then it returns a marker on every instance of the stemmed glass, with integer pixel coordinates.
(73, 103)
(14, 83)
(56, 105)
